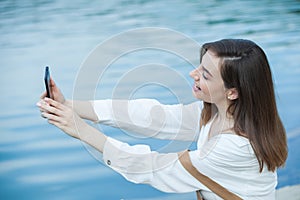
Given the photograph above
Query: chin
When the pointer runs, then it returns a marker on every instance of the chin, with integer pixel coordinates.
(197, 96)
(201, 97)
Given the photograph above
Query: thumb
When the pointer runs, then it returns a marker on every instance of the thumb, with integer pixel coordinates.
(52, 83)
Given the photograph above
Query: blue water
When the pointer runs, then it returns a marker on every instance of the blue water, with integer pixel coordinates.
(39, 162)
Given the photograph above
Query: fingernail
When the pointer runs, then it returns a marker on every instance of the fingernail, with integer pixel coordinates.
(47, 99)
(39, 104)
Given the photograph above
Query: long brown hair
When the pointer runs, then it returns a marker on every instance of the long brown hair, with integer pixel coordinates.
(244, 66)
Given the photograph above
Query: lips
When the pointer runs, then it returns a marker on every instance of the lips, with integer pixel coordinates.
(196, 88)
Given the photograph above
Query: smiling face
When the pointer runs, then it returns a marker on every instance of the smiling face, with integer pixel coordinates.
(208, 84)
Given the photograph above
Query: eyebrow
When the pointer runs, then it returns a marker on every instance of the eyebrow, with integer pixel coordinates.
(207, 71)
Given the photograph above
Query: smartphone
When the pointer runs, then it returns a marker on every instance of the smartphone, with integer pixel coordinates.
(47, 82)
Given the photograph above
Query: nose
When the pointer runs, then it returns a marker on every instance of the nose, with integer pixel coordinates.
(195, 74)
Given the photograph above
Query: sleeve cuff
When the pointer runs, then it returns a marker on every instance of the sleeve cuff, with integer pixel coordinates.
(124, 158)
(102, 108)
(110, 150)
(132, 162)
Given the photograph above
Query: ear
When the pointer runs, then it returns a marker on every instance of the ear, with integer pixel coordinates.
(232, 94)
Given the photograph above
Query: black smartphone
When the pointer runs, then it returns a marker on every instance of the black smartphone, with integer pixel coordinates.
(47, 82)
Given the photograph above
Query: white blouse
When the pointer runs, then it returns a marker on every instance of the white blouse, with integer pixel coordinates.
(228, 159)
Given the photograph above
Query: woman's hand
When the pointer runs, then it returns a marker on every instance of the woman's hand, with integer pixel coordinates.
(62, 117)
(56, 93)
(69, 122)
(84, 109)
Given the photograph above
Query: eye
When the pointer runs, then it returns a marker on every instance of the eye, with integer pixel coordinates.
(204, 75)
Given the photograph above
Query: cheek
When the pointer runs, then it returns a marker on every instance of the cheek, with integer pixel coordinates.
(217, 92)
(212, 90)
(204, 87)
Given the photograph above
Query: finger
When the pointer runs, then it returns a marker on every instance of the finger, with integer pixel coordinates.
(54, 103)
(50, 109)
(39, 104)
(52, 82)
(42, 110)
(42, 115)
(55, 90)
(52, 117)
(44, 94)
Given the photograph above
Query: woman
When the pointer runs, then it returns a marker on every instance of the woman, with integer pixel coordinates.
(240, 138)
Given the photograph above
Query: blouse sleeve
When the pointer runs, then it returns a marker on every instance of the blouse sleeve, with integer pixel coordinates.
(139, 164)
(151, 118)
(229, 160)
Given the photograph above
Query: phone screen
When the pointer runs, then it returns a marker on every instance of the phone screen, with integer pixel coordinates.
(47, 82)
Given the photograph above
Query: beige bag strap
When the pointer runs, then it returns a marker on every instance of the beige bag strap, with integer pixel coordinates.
(185, 160)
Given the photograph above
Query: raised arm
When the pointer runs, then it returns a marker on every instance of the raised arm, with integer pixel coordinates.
(136, 163)
(228, 159)
(84, 109)
(151, 118)
(143, 116)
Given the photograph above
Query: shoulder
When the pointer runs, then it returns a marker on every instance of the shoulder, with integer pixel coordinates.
(227, 149)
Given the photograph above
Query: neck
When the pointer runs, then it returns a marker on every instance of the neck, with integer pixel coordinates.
(222, 111)
(224, 120)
